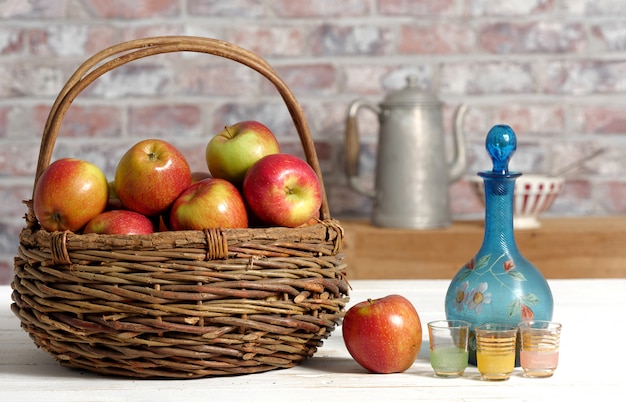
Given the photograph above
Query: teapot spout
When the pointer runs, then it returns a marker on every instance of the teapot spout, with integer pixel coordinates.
(459, 156)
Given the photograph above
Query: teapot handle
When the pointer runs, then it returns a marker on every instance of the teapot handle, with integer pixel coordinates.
(459, 157)
(353, 145)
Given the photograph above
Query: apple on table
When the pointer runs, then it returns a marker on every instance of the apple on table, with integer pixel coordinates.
(209, 203)
(232, 151)
(282, 190)
(68, 194)
(383, 335)
(150, 176)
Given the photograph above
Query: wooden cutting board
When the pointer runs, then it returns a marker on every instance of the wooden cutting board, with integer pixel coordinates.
(589, 247)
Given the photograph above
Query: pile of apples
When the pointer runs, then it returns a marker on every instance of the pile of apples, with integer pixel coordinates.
(249, 183)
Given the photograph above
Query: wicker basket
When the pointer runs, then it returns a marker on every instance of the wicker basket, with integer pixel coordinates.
(179, 304)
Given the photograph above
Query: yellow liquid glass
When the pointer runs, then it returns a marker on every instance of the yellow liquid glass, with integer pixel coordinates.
(495, 366)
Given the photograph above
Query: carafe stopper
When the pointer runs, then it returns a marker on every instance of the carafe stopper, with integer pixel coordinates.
(501, 144)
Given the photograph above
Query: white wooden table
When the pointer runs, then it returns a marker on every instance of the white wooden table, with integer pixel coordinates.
(592, 362)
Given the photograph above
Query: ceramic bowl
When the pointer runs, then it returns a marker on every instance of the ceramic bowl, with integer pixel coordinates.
(534, 195)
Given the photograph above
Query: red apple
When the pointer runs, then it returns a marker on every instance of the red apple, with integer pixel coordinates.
(119, 222)
(150, 176)
(68, 194)
(209, 203)
(282, 190)
(383, 335)
(231, 152)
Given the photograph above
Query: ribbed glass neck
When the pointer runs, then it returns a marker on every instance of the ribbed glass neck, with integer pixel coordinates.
(499, 212)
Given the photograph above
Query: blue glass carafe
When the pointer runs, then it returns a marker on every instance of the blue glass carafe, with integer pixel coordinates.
(498, 284)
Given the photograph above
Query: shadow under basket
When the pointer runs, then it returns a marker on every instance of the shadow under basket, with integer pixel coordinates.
(179, 304)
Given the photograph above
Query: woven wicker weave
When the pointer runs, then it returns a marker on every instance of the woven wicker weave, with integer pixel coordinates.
(179, 304)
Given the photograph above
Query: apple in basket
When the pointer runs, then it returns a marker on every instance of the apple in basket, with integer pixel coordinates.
(209, 203)
(68, 194)
(150, 176)
(231, 152)
(383, 335)
(119, 221)
(282, 190)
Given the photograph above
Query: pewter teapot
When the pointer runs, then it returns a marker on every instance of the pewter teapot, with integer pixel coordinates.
(412, 171)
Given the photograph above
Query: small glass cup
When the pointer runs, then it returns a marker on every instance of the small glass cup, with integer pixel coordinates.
(448, 347)
(495, 350)
(539, 347)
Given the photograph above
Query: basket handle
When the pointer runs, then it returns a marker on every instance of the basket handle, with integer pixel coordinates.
(125, 52)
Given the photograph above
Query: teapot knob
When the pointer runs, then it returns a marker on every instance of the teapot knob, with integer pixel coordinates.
(411, 81)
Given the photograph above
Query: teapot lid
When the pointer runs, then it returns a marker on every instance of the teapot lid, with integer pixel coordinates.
(410, 95)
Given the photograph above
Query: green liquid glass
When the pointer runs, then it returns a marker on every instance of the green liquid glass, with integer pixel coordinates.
(448, 360)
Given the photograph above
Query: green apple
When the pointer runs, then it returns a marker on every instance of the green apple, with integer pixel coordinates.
(231, 152)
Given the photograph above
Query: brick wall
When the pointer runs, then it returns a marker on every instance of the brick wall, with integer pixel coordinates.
(555, 70)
